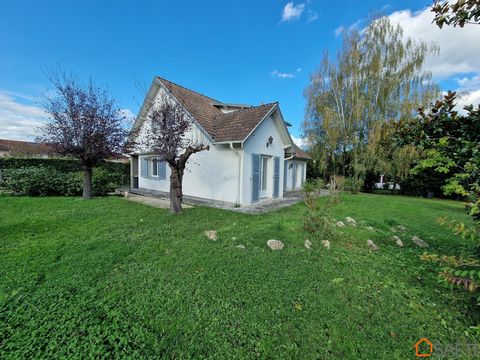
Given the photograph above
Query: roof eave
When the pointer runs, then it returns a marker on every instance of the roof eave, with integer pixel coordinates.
(261, 121)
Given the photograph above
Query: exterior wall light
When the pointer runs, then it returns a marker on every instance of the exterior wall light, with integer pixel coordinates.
(269, 141)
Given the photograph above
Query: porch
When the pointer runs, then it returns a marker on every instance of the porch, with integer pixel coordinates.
(262, 206)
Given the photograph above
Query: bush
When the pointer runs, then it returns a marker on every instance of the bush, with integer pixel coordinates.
(104, 181)
(64, 165)
(317, 220)
(42, 181)
(352, 185)
(45, 181)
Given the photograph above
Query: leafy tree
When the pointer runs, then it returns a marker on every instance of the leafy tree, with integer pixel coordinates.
(450, 143)
(84, 123)
(386, 154)
(458, 13)
(377, 76)
(167, 135)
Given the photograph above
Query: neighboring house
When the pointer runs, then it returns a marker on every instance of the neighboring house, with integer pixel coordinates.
(251, 156)
(16, 148)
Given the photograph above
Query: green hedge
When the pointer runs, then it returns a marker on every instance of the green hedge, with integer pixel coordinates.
(45, 181)
(57, 176)
(61, 164)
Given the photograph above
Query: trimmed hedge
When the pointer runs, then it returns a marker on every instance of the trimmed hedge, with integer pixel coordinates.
(56, 176)
(44, 181)
(61, 164)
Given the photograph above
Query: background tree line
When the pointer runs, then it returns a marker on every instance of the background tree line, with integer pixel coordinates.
(376, 79)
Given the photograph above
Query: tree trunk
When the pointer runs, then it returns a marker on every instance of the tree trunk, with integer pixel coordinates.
(176, 193)
(87, 182)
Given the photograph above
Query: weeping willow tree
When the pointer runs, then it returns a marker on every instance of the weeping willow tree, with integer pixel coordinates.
(376, 77)
(386, 154)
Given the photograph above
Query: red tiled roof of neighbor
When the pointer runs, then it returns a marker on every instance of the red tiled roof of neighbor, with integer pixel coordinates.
(25, 148)
(233, 126)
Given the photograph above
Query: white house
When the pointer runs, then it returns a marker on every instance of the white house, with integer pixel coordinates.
(251, 157)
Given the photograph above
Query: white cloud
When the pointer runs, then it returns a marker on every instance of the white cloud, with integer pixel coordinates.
(18, 120)
(300, 142)
(467, 98)
(339, 30)
(311, 16)
(459, 47)
(355, 26)
(281, 75)
(469, 83)
(129, 116)
(292, 12)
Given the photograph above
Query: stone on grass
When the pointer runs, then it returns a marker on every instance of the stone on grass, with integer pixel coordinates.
(211, 234)
(308, 244)
(326, 243)
(372, 246)
(240, 246)
(351, 221)
(398, 241)
(401, 228)
(419, 242)
(370, 228)
(340, 224)
(275, 244)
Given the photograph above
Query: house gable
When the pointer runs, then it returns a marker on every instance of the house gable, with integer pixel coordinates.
(221, 122)
(156, 96)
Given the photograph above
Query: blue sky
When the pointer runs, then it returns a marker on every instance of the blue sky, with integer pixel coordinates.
(234, 51)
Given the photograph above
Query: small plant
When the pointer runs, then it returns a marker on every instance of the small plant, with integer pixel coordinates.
(352, 185)
(335, 186)
(318, 218)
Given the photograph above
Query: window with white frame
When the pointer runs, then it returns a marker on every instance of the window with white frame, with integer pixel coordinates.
(264, 172)
(154, 168)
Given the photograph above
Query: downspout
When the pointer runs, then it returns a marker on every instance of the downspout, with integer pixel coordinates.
(238, 172)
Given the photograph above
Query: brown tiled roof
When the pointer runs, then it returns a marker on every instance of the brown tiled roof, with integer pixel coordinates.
(299, 153)
(233, 126)
(25, 148)
(198, 105)
(237, 125)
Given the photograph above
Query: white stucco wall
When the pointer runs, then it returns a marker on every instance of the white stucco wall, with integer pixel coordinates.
(223, 174)
(209, 174)
(301, 173)
(256, 144)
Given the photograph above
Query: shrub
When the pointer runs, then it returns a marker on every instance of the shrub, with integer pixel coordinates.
(65, 165)
(58, 176)
(317, 221)
(105, 181)
(41, 181)
(335, 186)
(352, 185)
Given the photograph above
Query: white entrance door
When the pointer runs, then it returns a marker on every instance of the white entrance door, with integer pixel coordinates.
(264, 176)
(294, 175)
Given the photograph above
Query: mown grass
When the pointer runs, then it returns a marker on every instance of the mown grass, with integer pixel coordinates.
(113, 278)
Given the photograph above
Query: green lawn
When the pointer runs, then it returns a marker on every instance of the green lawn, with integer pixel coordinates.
(112, 277)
